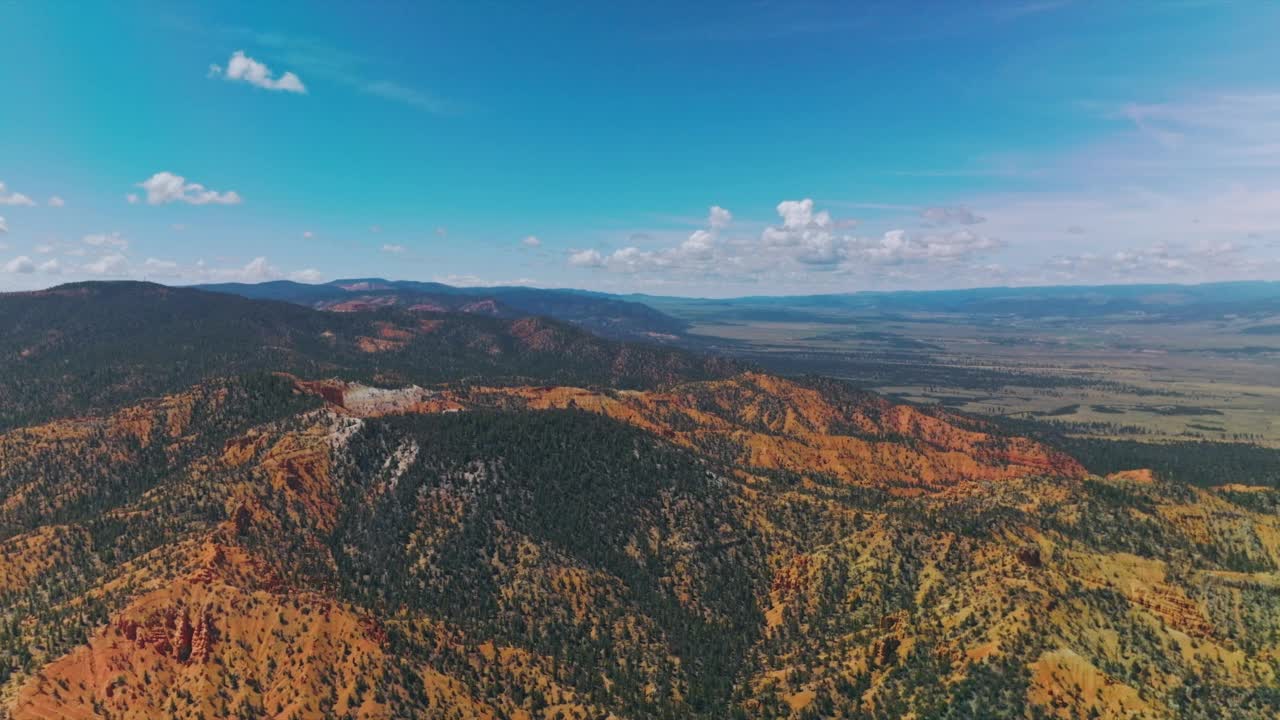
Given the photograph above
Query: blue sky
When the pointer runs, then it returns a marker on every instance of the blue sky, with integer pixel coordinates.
(719, 149)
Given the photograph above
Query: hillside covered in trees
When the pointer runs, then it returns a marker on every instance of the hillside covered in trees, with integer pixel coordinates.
(219, 507)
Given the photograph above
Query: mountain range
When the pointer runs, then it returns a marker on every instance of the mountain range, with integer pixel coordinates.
(599, 313)
(388, 502)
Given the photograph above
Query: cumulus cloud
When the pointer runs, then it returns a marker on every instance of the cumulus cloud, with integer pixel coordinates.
(698, 249)
(166, 187)
(154, 267)
(20, 264)
(13, 198)
(258, 270)
(807, 237)
(50, 267)
(242, 68)
(4, 226)
(719, 218)
(393, 249)
(307, 234)
(586, 258)
(309, 275)
(531, 241)
(57, 202)
(900, 246)
(805, 244)
(114, 265)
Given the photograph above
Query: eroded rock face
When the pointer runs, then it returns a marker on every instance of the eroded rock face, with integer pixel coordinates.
(170, 631)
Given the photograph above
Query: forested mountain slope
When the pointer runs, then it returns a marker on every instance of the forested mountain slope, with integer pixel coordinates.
(92, 345)
(480, 518)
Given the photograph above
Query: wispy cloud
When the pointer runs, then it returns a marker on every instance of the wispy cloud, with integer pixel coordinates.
(358, 72)
(1014, 10)
(419, 99)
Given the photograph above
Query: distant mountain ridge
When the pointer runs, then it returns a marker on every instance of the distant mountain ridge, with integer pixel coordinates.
(1160, 302)
(601, 314)
(662, 318)
(84, 345)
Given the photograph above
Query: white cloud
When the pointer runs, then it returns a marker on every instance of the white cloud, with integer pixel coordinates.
(442, 232)
(1159, 262)
(531, 241)
(699, 246)
(4, 226)
(586, 258)
(106, 241)
(307, 234)
(699, 249)
(115, 265)
(341, 67)
(57, 202)
(44, 248)
(393, 249)
(719, 218)
(901, 246)
(132, 198)
(166, 187)
(258, 270)
(20, 264)
(243, 68)
(806, 244)
(154, 267)
(14, 199)
(807, 237)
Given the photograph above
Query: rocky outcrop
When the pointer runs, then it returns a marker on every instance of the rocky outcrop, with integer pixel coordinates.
(170, 631)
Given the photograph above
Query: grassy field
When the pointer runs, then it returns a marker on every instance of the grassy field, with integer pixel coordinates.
(1113, 377)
